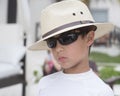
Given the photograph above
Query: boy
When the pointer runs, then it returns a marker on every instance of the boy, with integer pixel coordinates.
(69, 30)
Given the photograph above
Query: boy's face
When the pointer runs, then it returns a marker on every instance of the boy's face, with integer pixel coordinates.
(73, 57)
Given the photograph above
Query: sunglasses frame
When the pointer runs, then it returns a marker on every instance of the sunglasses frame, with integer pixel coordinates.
(52, 42)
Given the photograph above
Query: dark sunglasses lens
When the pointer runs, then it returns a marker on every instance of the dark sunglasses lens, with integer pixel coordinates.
(64, 39)
(51, 43)
(68, 38)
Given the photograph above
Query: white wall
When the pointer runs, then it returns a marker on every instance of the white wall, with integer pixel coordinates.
(113, 7)
(36, 6)
(3, 11)
(114, 13)
(35, 59)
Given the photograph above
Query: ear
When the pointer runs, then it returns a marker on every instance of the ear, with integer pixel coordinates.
(90, 38)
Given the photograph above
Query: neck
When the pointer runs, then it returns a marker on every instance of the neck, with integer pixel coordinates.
(78, 68)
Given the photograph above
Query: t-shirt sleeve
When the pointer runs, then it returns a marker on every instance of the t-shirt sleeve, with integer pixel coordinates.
(108, 92)
(38, 88)
(41, 86)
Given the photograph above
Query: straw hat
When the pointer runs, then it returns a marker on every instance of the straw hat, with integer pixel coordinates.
(64, 16)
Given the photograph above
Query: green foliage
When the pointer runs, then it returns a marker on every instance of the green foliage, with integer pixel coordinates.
(35, 73)
(37, 76)
(108, 72)
(105, 61)
(101, 57)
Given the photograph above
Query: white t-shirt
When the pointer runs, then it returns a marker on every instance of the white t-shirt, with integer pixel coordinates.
(83, 84)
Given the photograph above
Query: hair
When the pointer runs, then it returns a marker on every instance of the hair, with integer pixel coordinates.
(85, 30)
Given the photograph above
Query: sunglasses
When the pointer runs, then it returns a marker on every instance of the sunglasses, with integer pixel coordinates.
(64, 39)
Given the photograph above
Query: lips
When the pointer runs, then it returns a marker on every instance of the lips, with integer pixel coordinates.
(61, 59)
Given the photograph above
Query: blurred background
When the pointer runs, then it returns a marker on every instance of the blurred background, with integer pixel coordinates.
(21, 69)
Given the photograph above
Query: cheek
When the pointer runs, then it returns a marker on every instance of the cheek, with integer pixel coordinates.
(80, 46)
(78, 50)
(54, 53)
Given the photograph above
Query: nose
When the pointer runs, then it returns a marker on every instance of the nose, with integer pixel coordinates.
(59, 47)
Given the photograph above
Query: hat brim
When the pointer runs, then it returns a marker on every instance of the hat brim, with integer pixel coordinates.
(102, 29)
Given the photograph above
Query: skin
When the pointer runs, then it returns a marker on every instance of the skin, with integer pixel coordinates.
(73, 58)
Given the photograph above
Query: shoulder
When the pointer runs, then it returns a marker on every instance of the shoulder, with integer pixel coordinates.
(50, 77)
(48, 80)
(107, 91)
(104, 89)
